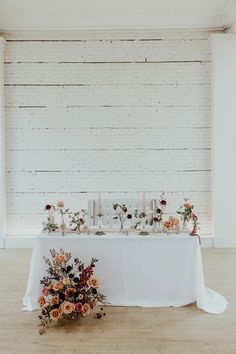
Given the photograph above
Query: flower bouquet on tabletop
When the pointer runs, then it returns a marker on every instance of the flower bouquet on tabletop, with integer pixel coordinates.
(121, 214)
(185, 211)
(141, 219)
(171, 226)
(77, 220)
(69, 291)
(158, 209)
(187, 214)
(50, 225)
(60, 207)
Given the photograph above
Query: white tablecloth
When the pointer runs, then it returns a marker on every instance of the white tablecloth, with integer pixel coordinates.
(149, 271)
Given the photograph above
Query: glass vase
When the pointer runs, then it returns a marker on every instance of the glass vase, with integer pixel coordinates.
(63, 229)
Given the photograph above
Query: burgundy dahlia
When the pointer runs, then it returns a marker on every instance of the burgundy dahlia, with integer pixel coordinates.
(48, 207)
(163, 202)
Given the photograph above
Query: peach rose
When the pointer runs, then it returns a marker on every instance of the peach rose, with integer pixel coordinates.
(85, 309)
(54, 314)
(41, 301)
(67, 307)
(54, 300)
(58, 285)
(187, 206)
(93, 303)
(93, 282)
(70, 292)
(59, 258)
(60, 204)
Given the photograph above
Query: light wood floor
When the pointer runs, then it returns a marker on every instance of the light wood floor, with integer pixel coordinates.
(185, 330)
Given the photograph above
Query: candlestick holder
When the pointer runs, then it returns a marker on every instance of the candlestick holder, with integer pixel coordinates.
(100, 231)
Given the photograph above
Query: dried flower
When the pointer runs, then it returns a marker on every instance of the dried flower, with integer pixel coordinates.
(60, 204)
(54, 314)
(93, 282)
(85, 309)
(67, 307)
(41, 301)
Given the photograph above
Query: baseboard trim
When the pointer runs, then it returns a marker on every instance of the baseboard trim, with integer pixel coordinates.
(20, 241)
(225, 242)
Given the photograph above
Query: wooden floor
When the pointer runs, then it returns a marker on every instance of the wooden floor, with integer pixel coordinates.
(185, 330)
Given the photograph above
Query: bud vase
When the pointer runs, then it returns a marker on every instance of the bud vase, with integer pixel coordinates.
(63, 229)
(156, 227)
(78, 231)
(122, 227)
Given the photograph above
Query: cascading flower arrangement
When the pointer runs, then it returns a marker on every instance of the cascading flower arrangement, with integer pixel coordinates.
(69, 290)
(121, 214)
(50, 225)
(157, 213)
(77, 220)
(187, 215)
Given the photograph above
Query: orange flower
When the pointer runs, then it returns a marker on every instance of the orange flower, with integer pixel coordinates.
(93, 282)
(54, 314)
(93, 303)
(85, 309)
(59, 258)
(60, 204)
(188, 206)
(67, 307)
(70, 292)
(41, 301)
(167, 224)
(54, 300)
(58, 285)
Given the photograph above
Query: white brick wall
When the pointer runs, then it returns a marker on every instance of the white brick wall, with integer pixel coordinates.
(117, 112)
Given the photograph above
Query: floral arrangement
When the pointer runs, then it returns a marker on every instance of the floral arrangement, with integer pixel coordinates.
(77, 219)
(171, 225)
(50, 225)
(186, 212)
(158, 211)
(121, 214)
(61, 208)
(140, 216)
(69, 291)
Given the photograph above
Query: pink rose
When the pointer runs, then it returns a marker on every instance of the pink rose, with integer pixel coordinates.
(45, 291)
(78, 307)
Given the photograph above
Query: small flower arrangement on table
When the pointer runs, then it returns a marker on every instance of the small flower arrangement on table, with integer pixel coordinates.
(121, 214)
(141, 218)
(50, 225)
(77, 220)
(69, 291)
(157, 213)
(171, 225)
(62, 211)
(187, 215)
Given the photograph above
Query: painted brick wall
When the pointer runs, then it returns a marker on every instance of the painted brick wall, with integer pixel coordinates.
(117, 112)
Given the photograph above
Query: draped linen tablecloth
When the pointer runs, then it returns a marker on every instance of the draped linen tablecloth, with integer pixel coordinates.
(148, 271)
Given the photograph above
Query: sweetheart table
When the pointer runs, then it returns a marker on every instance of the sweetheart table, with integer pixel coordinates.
(148, 271)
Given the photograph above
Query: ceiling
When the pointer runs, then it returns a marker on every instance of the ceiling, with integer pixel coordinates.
(115, 14)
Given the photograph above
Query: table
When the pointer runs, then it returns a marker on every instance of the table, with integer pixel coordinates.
(148, 271)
